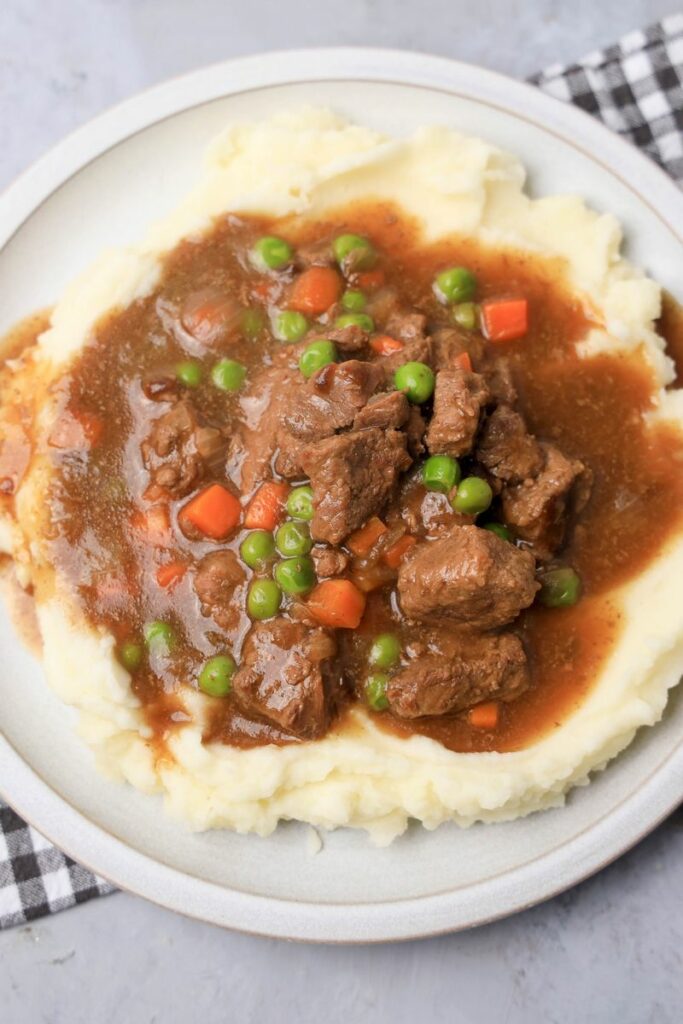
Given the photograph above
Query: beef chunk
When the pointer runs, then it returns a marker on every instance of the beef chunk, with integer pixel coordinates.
(348, 339)
(179, 450)
(419, 351)
(352, 476)
(385, 411)
(287, 677)
(416, 428)
(330, 400)
(329, 561)
(459, 398)
(326, 403)
(470, 576)
(538, 509)
(506, 449)
(406, 326)
(475, 668)
(448, 343)
(271, 394)
(217, 577)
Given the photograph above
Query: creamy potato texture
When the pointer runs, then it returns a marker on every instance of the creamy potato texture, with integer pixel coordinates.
(306, 163)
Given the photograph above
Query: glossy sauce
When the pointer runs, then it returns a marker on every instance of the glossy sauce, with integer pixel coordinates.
(591, 408)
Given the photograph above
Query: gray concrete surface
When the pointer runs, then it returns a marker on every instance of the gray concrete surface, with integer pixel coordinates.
(608, 951)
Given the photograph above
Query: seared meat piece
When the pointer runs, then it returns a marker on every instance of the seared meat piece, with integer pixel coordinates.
(448, 343)
(286, 676)
(415, 432)
(178, 451)
(330, 400)
(270, 395)
(459, 398)
(419, 351)
(329, 561)
(347, 339)
(470, 576)
(352, 476)
(537, 509)
(216, 578)
(386, 411)
(506, 449)
(406, 326)
(473, 668)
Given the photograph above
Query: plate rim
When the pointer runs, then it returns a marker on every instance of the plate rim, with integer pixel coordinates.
(657, 795)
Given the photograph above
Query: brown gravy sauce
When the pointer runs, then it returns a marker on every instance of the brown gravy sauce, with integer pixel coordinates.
(592, 408)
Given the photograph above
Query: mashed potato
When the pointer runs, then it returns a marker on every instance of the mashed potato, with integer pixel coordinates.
(307, 163)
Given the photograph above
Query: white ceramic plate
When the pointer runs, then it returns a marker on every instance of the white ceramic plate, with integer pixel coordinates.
(97, 188)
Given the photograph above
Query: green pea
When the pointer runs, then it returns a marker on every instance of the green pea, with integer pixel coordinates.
(499, 529)
(216, 675)
(473, 496)
(270, 253)
(353, 301)
(130, 655)
(228, 375)
(263, 599)
(441, 473)
(293, 539)
(257, 548)
(466, 314)
(253, 322)
(416, 380)
(300, 502)
(376, 691)
(385, 651)
(353, 252)
(362, 320)
(560, 588)
(457, 284)
(316, 355)
(296, 575)
(189, 373)
(290, 326)
(159, 636)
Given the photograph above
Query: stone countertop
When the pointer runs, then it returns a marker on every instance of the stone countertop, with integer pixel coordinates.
(611, 949)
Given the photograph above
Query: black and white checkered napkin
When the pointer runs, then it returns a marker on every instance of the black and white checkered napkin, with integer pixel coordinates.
(636, 88)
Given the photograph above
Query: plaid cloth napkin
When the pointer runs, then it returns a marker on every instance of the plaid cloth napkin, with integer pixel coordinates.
(636, 88)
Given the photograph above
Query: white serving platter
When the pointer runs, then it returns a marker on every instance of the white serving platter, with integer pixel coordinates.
(97, 188)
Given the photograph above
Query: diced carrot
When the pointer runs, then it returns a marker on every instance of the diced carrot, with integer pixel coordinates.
(394, 555)
(371, 280)
(214, 512)
(267, 508)
(363, 540)
(171, 573)
(463, 361)
(76, 430)
(505, 319)
(155, 523)
(315, 290)
(337, 603)
(484, 716)
(383, 345)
